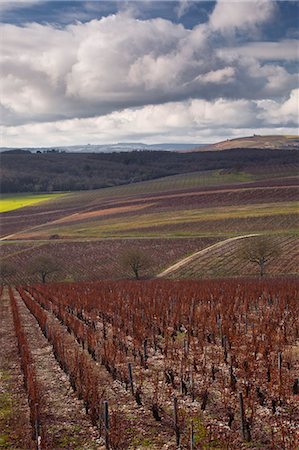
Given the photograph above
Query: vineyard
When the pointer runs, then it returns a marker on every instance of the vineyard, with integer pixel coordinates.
(159, 364)
(96, 259)
(101, 259)
(78, 214)
(223, 259)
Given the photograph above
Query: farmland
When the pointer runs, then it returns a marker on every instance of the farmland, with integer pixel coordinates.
(149, 226)
(168, 219)
(10, 202)
(183, 358)
(223, 259)
(201, 182)
(97, 213)
(156, 364)
(97, 259)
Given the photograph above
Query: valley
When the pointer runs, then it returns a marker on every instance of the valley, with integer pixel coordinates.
(149, 225)
(167, 219)
(98, 353)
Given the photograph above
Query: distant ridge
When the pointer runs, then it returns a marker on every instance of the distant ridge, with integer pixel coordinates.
(106, 148)
(275, 142)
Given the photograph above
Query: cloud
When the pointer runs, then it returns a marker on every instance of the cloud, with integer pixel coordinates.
(182, 7)
(231, 16)
(287, 49)
(15, 4)
(225, 75)
(188, 121)
(285, 113)
(120, 76)
(290, 107)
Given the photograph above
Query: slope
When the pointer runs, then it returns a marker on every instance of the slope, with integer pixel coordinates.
(273, 142)
(168, 219)
(52, 172)
(223, 259)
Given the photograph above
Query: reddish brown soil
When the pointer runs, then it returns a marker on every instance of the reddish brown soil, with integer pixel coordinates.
(64, 422)
(63, 411)
(78, 217)
(15, 429)
(249, 311)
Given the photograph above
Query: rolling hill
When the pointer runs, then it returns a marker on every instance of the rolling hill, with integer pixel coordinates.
(274, 142)
(206, 198)
(167, 219)
(51, 172)
(222, 259)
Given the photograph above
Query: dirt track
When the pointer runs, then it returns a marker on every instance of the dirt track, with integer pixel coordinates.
(201, 252)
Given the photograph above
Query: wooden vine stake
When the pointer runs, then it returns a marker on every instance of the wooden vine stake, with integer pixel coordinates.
(192, 436)
(192, 385)
(37, 429)
(245, 432)
(131, 377)
(176, 422)
(145, 355)
(219, 323)
(279, 364)
(296, 386)
(106, 424)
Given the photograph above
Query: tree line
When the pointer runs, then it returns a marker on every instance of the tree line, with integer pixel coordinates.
(48, 172)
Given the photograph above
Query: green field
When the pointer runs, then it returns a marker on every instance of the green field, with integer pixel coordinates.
(10, 202)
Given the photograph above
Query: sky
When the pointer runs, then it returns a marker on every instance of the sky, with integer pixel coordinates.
(101, 72)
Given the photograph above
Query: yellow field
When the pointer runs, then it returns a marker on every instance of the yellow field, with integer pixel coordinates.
(10, 202)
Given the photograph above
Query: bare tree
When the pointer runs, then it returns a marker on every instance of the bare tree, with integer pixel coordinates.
(44, 266)
(135, 261)
(259, 250)
(7, 271)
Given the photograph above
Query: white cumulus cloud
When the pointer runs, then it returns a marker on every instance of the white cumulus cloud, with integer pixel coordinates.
(230, 16)
(187, 121)
(122, 76)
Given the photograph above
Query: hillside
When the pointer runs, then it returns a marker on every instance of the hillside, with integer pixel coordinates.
(167, 219)
(262, 142)
(50, 172)
(223, 259)
(184, 205)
